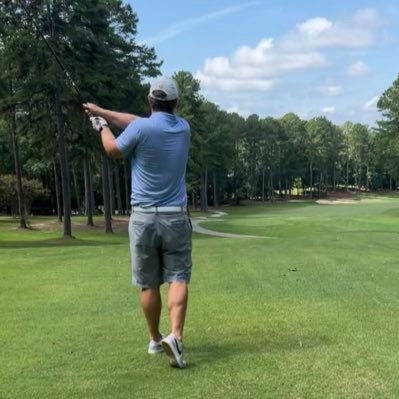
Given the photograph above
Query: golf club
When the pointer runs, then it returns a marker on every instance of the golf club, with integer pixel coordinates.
(67, 74)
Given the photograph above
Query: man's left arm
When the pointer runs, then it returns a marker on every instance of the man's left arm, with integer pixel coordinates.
(107, 138)
(109, 143)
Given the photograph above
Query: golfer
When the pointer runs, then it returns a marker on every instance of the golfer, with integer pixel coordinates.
(159, 228)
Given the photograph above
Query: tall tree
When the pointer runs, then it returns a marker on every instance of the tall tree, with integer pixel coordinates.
(96, 41)
(190, 102)
(295, 130)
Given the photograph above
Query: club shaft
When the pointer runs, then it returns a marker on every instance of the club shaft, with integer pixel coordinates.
(51, 49)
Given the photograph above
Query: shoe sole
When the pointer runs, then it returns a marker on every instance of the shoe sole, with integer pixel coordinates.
(155, 352)
(171, 356)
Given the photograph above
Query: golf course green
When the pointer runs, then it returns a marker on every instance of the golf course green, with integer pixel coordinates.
(309, 309)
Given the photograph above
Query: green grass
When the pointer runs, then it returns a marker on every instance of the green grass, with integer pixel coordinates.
(309, 311)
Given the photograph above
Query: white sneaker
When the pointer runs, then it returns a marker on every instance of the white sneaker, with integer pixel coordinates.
(155, 347)
(174, 351)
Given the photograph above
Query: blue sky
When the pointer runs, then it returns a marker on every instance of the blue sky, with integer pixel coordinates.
(273, 57)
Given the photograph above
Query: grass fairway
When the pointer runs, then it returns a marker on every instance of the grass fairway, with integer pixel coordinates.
(311, 310)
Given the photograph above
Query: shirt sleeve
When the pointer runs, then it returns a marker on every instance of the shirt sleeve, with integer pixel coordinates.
(129, 138)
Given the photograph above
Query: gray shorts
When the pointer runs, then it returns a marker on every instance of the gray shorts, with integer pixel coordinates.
(160, 248)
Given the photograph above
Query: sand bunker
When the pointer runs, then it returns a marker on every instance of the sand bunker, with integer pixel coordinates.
(336, 202)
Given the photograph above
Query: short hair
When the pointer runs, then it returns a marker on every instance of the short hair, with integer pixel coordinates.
(160, 105)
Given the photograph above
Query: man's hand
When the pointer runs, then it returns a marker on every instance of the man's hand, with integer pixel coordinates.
(98, 123)
(93, 109)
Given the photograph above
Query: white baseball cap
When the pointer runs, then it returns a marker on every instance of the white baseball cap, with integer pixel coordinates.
(166, 85)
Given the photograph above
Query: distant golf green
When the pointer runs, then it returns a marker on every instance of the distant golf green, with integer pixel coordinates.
(309, 310)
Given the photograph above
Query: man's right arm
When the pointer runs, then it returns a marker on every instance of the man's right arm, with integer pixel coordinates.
(119, 119)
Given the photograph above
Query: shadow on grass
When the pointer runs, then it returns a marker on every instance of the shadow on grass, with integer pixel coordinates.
(214, 351)
(61, 242)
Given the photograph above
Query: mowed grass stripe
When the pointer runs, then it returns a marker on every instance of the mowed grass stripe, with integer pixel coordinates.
(312, 313)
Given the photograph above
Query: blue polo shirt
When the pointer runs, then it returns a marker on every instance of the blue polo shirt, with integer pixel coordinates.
(157, 148)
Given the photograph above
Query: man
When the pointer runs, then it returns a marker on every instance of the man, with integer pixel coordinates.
(159, 228)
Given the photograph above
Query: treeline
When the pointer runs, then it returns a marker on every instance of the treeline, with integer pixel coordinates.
(45, 139)
(43, 132)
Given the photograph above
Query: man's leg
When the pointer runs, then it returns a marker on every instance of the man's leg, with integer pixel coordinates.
(177, 306)
(176, 247)
(151, 304)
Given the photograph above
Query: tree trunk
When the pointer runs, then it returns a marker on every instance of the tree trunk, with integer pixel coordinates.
(279, 171)
(127, 191)
(263, 184)
(62, 151)
(57, 191)
(66, 195)
(88, 192)
(236, 180)
(367, 178)
(334, 178)
(111, 185)
(202, 184)
(320, 179)
(76, 189)
(311, 179)
(17, 166)
(215, 191)
(193, 199)
(118, 189)
(347, 175)
(204, 190)
(390, 182)
(92, 197)
(286, 187)
(106, 195)
(271, 188)
(237, 198)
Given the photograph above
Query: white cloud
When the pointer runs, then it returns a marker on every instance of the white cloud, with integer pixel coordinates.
(314, 26)
(268, 60)
(256, 68)
(332, 90)
(260, 67)
(264, 61)
(239, 81)
(358, 68)
(371, 105)
(232, 84)
(319, 33)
